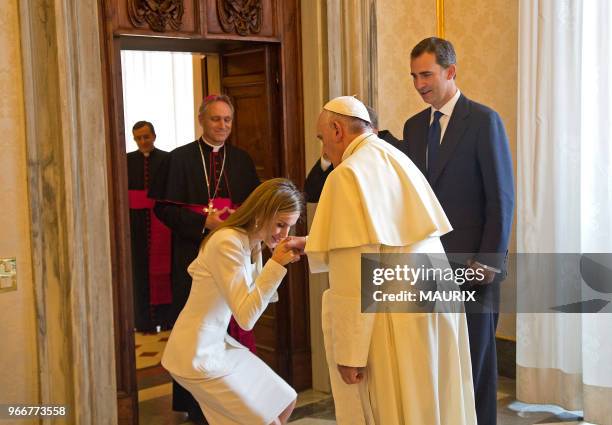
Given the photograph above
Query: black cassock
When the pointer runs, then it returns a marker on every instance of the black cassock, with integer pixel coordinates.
(141, 170)
(181, 184)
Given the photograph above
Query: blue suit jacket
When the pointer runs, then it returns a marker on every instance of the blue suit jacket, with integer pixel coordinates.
(472, 178)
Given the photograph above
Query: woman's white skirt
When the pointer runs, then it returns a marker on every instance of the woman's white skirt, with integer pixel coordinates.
(251, 393)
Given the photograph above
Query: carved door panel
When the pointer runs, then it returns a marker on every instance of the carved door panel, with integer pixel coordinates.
(158, 17)
(243, 18)
(249, 78)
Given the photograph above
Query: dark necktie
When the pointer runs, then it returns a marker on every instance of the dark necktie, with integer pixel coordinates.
(433, 143)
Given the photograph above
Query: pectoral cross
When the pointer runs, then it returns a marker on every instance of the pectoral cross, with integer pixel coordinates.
(209, 209)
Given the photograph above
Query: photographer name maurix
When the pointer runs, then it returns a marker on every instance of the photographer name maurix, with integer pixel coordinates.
(424, 296)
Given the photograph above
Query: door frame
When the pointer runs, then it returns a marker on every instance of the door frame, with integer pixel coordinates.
(291, 152)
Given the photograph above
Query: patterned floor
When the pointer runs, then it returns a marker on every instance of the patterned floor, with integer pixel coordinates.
(313, 408)
(149, 348)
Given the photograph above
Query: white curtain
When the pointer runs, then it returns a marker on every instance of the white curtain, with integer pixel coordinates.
(565, 193)
(158, 87)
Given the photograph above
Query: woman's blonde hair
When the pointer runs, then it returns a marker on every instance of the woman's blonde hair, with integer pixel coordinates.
(268, 199)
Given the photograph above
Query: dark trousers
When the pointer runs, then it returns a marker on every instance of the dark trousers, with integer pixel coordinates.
(481, 329)
(482, 321)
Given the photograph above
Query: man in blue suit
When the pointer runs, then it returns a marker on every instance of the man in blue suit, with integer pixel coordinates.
(462, 148)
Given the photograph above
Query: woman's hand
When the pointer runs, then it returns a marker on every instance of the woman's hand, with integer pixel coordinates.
(284, 254)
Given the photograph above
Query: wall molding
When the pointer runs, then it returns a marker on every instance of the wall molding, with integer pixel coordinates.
(440, 18)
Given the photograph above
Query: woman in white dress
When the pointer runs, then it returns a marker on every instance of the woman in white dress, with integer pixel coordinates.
(232, 385)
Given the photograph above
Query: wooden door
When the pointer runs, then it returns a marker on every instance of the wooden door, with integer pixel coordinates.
(248, 76)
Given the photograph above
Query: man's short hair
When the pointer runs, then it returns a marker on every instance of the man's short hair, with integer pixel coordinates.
(443, 49)
(357, 125)
(215, 98)
(373, 116)
(141, 124)
(354, 124)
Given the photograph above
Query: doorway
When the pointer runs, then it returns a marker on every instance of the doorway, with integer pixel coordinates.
(249, 72)
(166, 88)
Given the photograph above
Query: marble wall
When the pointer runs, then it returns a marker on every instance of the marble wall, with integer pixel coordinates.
(18, 356)
(65, 143)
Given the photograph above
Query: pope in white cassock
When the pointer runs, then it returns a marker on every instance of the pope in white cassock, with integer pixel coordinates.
(400, 368)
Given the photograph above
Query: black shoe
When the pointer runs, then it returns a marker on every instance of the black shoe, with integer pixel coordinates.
(196, 417)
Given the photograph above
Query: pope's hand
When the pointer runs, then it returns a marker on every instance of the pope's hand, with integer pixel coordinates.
(284, 254)
(351, 375)
(297, 243)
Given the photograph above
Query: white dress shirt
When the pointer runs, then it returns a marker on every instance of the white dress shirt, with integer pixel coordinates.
(447, 111)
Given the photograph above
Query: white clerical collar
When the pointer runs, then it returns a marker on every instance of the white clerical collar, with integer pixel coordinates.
(355, 144)
(215, 148)
(449, 106)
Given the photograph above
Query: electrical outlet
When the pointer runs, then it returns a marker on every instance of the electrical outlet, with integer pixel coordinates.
(8, 274)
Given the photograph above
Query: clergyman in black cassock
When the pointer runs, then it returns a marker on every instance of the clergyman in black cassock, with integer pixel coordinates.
(150, 239)
(151, 291)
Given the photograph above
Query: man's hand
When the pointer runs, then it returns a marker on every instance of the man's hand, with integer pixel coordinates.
(213, 219)
(351, 375)
(297, 243)
(489, 275)
(284, 255)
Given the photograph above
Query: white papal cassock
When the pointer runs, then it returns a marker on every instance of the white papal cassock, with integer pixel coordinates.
(417, 364)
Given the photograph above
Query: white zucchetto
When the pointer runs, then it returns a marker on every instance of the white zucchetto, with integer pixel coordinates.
(348, 106)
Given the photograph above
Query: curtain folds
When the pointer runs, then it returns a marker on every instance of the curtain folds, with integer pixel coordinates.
(565, 194)
(158, 87)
